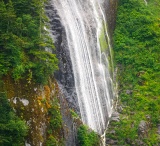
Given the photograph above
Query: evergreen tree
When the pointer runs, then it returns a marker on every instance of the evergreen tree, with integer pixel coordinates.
(12, 129)
(24, 41)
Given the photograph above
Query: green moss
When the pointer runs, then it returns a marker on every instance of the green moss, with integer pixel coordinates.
(103, 40)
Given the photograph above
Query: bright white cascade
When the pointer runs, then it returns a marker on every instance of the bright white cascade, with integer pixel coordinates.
(83, 21)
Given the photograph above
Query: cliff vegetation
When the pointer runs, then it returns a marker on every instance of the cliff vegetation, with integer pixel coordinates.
(27, 61)
(12, 129)
(24, 41)
(136, 49)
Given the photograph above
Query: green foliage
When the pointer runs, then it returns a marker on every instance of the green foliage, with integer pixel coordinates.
(12, 129)
(103, 40)
(24, 41)
(74, 114)
(51, 141)
(26, 51)
(55, 115)
(136, 48)
(86, 137)
(55, 125)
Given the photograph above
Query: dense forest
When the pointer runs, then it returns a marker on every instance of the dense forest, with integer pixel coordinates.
(137, 56)
(24, 40)
(25, 53)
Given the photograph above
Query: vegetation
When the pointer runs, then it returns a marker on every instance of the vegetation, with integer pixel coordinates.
(74, 114)
(103, 40)
(87, 137)
(104, 46)
(24, 41)
(55, 125)
(12, 129)
(136, 48)
(26, 52)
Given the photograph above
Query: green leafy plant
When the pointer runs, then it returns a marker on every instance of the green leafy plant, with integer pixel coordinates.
(87, 137)
(12, 129)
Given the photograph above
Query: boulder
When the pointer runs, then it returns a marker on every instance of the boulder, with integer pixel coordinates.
(115, 117)
(143, 129)
(129, 92)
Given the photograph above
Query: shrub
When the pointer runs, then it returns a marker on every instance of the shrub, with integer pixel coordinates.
(87, 137)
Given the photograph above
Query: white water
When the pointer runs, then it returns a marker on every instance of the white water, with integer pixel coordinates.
(82, 20)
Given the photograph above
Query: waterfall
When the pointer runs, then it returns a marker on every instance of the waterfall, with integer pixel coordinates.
(83, 21)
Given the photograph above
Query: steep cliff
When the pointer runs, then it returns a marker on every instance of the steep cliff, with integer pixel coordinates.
(48, 105)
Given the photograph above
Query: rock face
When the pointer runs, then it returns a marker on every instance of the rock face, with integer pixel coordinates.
(64, 75)
(27, 101)
(70, 125)
(143, 129)
(115, 117)
(111, 8)
(31, 102)
(69, 133)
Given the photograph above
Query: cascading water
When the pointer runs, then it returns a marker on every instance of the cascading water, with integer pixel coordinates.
(83, 21)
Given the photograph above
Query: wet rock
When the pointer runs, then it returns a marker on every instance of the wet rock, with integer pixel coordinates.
(136, 142)
(132, 113)
(128, 141)
(148, 117)
(111, 141)
(120, 109)
(139, 142)
(64, 75)
(143, 128)
(115, 117)
(70, 126)
(129, 92)
(115, 114)
(112, 132)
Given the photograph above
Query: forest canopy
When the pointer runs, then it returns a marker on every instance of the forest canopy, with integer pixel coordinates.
(24, 41)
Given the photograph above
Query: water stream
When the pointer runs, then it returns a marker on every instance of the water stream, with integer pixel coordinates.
(83, 21)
